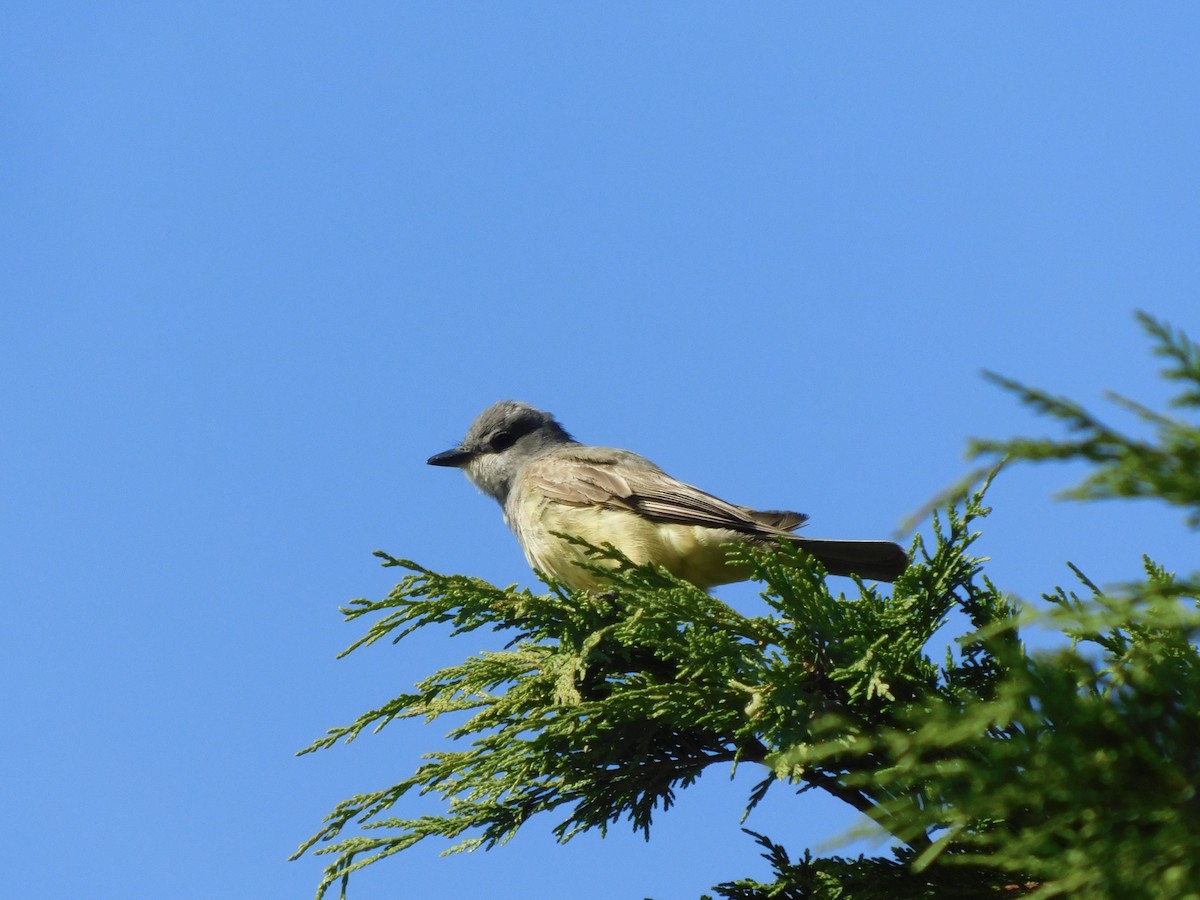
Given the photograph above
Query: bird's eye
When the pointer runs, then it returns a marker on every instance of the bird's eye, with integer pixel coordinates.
(502, 441)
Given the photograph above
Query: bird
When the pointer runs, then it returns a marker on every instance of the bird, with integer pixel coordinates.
(549, 485)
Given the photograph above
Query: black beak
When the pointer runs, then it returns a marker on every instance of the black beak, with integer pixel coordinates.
(457, 458)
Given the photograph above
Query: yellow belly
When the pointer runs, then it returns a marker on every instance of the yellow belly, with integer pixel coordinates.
(692, 552)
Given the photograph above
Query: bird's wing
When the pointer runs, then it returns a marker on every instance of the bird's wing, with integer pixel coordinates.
(617, 479)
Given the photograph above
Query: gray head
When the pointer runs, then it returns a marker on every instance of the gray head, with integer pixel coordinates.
(502, 439)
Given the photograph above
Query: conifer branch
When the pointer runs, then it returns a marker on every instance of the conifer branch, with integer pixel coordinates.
(996, 770)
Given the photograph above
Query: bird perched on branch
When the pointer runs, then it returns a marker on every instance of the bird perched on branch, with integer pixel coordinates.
(549, 484)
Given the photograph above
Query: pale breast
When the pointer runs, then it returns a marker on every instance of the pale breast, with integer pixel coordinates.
(692, 552)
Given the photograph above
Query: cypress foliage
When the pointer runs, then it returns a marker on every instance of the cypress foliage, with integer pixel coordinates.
(997, 770)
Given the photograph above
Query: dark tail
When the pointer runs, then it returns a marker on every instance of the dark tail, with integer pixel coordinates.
(874, 560)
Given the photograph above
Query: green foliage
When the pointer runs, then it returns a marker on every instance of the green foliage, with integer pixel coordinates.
(998, 771)
(1167, 468)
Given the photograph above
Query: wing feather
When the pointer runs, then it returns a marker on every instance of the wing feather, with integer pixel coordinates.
(617, 479)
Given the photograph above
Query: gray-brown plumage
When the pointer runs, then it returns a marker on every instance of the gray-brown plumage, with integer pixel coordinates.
(546, 482)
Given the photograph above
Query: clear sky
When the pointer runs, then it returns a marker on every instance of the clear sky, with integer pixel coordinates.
(260, 260)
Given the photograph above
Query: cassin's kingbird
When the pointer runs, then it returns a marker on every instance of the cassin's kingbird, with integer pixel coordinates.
(546, 482)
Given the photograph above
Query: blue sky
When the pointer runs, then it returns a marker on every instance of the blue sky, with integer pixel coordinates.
(260, 260)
